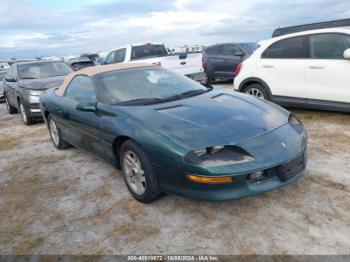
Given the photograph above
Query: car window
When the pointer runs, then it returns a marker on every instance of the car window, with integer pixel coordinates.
(81, 89)
(250, 47)
(287, 48)
(110, 59)
(9, 71)
(329, 46)
(230, 50)
(214, 50)
(148, 51)
(120, 55)
(2, 75)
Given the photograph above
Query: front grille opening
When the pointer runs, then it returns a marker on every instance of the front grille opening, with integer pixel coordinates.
(283, 172)
(260, 176)
(35, 106)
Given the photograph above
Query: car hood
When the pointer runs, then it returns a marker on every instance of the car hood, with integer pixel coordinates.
(214, 118)
(42, 83)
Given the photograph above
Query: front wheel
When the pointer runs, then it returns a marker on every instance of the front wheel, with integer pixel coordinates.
(56, 135)
(257, 91)
(208, 79)
(10, 109)
(137, 172)
(27, 120)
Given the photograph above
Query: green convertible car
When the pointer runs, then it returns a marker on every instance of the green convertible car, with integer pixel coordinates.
(169, 134)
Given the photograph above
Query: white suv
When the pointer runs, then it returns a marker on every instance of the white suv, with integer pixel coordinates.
(307, 69)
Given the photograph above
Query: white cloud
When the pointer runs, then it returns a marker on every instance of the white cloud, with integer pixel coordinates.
(101, 26)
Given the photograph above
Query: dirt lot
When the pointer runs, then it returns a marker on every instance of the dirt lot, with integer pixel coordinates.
(68, 202)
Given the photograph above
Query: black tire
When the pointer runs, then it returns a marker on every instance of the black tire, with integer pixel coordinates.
(60, 143)
(10, 109)
(26, 118)
(257, 90)
(208, 79)
(151, 192)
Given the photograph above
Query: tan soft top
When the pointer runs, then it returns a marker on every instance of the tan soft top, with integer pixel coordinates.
(94, 70)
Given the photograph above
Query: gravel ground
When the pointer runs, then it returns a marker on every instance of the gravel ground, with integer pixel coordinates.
(69, 202)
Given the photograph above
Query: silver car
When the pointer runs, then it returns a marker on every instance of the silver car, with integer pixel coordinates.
(2, 75)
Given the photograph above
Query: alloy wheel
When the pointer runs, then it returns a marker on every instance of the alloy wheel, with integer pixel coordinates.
(256, 93)
(54, 132)
(134, 174)
(7, 104)
(23, 113)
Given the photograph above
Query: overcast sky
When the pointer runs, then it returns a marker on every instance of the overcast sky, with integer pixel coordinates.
(31, 28)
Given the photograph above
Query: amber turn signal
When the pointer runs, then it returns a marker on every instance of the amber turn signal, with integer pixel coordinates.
(210, 180)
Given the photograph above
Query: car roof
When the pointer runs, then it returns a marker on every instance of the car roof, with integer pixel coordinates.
(79, 62)
(95, 70)
(133, 45)
(79, 59)
(307, 32)
(37, 62)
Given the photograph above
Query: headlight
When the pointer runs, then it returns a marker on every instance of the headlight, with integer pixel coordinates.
(296, 123)
(33, 95)
(218, 156)
(32, 92)
(211, 150)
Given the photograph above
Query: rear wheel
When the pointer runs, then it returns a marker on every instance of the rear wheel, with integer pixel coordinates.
(208, 79)
(10, 109)
(257, 90)
(137, 172)
(27, 120)
(56, 135)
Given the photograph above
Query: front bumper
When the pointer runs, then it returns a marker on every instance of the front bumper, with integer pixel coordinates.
(243, 185)
(35, 110)
(33, 106)
(272, 151)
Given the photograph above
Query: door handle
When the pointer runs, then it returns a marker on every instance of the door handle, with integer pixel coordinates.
(268, 66)
(316, 67)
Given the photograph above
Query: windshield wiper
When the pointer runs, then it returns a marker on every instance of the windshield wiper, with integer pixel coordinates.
(154, 100)
(188, 94)
(140, 101)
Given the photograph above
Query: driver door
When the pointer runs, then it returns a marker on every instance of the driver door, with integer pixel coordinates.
(81, 125)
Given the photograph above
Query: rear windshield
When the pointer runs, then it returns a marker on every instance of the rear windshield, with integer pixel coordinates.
(148, 51)
(250, 47)
(43, 70)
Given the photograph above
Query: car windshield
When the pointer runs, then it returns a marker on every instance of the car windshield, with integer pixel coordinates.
(43, 70)
(148, 51)
(250, 47)
(145, 86)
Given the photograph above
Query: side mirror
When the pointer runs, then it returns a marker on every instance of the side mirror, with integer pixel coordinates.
(86, 107)
(10, 79)
(239, 53)
(346, 54)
